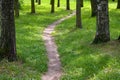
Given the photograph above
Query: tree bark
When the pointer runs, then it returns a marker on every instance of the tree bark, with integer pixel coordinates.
(93, 8)
(102, 34)
(39, 2)
(118, 4)
(52, 6)
(81, 3)
(36, 1)
(67, 4)
(32, 6)
(119, 38)
(7, 33)
(78, 14)
(58, 3)
(16, 7)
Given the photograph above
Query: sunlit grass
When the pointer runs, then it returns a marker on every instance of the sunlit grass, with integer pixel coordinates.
(31, 52)
(80, 59)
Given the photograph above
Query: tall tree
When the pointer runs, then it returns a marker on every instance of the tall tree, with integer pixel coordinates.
(93, 7)
(78, 14)
(58, 3)
(32, 6)
(16, 7)
(102, 33)
(118, 4)
(7, 32)
(52, 6)
(81, 3)
(119, 38)
(67, 4)
(39, 2)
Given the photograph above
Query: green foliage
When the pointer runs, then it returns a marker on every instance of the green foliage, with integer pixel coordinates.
(31, 52)
(80, 59)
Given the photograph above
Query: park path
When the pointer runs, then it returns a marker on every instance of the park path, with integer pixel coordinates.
(54, 65)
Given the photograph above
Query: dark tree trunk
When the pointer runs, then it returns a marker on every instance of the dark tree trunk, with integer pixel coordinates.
(119, 38)
(118, 4)
(7, 33)
(102, 34)
(93, 8)
(32, 6)
(52, 6)
(67, 4)
(16, 7)
(78, 14)
(39, 2)
(81, 3)
(113, 0)
(36, 1)
(58, 3)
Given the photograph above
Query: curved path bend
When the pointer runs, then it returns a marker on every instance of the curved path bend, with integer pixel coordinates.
(54, 65)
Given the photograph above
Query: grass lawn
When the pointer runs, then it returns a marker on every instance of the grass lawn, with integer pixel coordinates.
(80, 59)
(32, 60)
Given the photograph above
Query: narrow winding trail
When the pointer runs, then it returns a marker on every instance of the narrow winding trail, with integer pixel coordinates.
(54, 65)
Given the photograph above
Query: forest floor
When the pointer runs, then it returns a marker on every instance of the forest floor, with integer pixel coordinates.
(54, 64)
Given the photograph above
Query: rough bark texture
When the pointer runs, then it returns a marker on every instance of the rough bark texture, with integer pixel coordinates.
(118, 4)
(93, 8)
(78, 14)
(67, 4)
(7, 33)
(16, 7)
(52, 6)
(32, 6)
(58, 3)
(102, 34)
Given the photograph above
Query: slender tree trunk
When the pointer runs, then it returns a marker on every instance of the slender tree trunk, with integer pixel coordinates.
(67, 4)
(93, 7)
(118, 4)
(7, 33)
(16, 7)
(58, 3)
(36, 1)
(102, 34)
(78, 14)
(113, 0)
(52, 6)
(39, 2)
(81, 3)
(119, 38)
(32, 6)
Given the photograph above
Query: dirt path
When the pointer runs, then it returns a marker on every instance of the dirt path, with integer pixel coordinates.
(54, 65)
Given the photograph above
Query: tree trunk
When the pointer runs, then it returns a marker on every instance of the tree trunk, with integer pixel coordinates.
(39, 2)
(52, 6)
(78, 14)
(58, 3)
(102, 34)
(93, 8)
(67, 4)
(32, 6)
(16, 7)
(119, 38)
(36, 1)
(81, 3)
(118, 4)
(7, 33)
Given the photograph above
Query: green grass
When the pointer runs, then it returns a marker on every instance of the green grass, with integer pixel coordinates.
(31, 52)
(80, 59)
